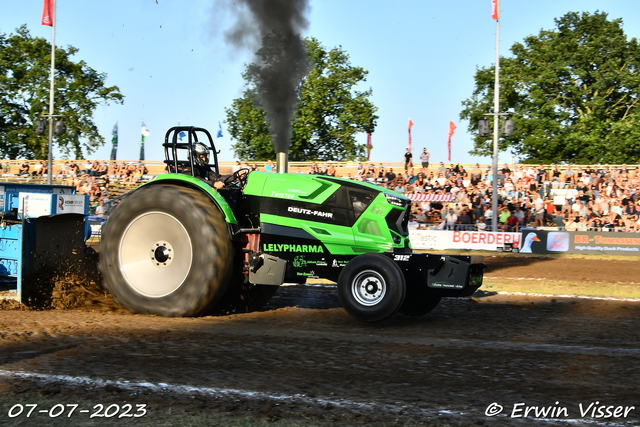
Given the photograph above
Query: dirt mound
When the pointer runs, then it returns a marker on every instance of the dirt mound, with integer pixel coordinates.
(71, 290)
(10, 304)
(66, 285)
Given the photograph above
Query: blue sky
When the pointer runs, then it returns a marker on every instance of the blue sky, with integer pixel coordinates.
(171, 62)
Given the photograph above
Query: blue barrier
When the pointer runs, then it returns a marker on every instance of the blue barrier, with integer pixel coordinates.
(38, 229)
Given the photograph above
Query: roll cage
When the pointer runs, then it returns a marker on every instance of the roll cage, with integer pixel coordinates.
(173, 147)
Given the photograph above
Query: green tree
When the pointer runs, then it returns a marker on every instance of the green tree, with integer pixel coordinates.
(329, 115)
(25, 67)
(574, 91)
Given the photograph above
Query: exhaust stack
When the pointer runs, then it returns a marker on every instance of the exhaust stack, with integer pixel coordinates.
(282, 162)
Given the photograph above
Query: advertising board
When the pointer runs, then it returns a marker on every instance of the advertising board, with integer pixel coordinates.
(531, 241)
(472, 240)
(580, 242)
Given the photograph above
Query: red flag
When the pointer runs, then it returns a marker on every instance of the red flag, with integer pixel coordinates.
(369, 147)
(494, 9)
(410, 125)
(47, 12)
(452, 127)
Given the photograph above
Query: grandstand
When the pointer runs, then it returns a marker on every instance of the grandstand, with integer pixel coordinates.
(569, 194)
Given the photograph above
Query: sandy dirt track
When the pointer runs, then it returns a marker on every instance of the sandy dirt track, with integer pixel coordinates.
(304, 357)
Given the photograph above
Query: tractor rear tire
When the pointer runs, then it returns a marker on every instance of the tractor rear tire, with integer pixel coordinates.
(166, 250)
(371, 287)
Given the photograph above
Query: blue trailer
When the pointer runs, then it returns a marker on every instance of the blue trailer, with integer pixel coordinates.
(43, 230)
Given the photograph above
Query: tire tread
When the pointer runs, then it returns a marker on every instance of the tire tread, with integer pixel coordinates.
(197, 298)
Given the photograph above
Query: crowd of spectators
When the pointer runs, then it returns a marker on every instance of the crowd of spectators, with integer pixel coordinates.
(575, 198)
(93, 178)
(571, 198)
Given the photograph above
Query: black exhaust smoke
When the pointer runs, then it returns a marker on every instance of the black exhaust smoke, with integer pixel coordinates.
(281, 62)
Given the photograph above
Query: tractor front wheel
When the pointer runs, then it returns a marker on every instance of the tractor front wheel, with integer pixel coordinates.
(371, 287)
(166, 250)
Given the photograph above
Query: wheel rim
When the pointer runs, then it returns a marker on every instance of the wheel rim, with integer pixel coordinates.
(369, 288)
(155, 254)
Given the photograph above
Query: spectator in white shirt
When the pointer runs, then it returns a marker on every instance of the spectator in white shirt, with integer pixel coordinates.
(450, 220)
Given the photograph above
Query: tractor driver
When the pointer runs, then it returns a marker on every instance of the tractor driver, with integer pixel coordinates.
(224, 184)
(202, 170)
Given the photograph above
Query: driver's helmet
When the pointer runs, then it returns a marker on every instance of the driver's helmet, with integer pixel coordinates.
(200, 154)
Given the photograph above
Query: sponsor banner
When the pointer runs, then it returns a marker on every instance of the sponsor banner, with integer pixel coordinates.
(531, 241)
(276, 247)
(580, 242)
(428, 239)
(72, 203)
(34, 205)
(36, 188)
(474, 240)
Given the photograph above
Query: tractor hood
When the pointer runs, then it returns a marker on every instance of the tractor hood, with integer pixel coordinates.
(307, 186)
(349, 217)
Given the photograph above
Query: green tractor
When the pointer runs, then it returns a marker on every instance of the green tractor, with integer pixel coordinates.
(176, 246)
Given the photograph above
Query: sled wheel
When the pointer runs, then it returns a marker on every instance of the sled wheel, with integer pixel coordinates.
(371, 287)
(166, 250)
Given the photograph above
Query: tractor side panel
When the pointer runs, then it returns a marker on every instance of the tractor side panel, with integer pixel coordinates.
(442, 275)
(298, 187)
(307, 257)
(306, 204)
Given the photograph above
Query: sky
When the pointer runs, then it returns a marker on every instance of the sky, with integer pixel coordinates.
(171, 62)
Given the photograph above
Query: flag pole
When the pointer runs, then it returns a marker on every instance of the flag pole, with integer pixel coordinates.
(496, 111)
(410, 126)
(53, 70)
